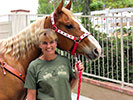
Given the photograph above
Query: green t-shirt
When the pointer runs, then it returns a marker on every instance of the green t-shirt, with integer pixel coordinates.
(51, 79)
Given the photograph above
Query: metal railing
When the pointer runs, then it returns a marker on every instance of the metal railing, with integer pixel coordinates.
(115, 35)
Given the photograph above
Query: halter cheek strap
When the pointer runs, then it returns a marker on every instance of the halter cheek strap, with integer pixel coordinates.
(74, 38)
(5, 67)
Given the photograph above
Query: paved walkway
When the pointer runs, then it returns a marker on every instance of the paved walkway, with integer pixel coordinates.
(74, 97)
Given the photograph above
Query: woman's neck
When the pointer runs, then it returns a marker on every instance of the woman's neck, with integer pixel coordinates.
(48, 58)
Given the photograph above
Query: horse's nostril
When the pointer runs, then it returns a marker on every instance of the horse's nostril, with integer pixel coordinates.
(95, 51)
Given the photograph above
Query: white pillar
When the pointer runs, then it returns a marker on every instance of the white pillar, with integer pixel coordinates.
(19, 20)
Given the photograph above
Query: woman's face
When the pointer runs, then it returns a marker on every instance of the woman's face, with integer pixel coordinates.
(48, 47)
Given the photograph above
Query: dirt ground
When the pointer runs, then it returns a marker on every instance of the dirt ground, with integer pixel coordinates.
(98, 93)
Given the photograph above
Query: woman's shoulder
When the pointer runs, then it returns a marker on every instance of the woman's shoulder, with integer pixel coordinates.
(34, 62)
(63, 58)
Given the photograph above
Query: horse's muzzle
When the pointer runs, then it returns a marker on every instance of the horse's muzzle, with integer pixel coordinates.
(94, 54)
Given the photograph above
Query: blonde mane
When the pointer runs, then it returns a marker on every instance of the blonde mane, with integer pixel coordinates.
(21, 43)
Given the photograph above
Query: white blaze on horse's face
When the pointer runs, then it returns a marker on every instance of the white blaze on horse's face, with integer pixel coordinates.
(81, 26)
(90, 37)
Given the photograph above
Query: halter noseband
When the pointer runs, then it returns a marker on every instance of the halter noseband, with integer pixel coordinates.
(74, 38)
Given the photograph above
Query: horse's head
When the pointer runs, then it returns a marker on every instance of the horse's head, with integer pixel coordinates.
(65, 24)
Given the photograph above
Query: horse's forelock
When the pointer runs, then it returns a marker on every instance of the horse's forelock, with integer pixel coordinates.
(67, 12)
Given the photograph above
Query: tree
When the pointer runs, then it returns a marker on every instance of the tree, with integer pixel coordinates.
(47, 6)
(99, 5)
(85, 6)
(86, 10)
(118, 3)
(81, 6)
(77, 6)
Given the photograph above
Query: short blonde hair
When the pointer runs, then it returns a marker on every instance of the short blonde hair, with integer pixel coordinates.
(48, 34)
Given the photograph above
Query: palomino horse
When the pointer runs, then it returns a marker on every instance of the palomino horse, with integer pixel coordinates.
(18, 51)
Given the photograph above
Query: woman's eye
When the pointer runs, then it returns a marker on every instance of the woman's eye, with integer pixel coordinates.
(51, 42)
(45, 43)
(69, 26)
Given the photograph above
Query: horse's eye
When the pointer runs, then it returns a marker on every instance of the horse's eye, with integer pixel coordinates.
(69, 26)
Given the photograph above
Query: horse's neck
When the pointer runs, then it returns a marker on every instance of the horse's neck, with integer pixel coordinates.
(21, 64)
(34, 52)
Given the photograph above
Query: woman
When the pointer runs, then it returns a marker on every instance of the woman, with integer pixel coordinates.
(50, 77)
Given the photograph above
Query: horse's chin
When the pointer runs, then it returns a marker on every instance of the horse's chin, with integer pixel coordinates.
(91, 56)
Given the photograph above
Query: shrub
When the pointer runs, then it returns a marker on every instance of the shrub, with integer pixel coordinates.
(96, 6)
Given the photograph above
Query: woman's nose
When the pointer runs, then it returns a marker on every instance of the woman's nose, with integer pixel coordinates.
(48, 45)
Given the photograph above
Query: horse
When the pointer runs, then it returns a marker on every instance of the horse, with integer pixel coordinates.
(19, 50)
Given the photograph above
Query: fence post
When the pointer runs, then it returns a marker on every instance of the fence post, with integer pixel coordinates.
(122, 53)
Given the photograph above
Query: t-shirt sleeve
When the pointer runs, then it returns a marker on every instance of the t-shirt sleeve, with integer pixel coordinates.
(30, 78)
(71, 72)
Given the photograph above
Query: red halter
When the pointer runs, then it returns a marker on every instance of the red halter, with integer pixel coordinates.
(74, 38)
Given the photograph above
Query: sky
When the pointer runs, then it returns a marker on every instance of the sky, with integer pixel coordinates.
(7, 5)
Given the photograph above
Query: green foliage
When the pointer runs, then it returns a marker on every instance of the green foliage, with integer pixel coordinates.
(125, 30)
(96, 6)
(119, 3)
(77, 6)
(48, 6)
(45, 7)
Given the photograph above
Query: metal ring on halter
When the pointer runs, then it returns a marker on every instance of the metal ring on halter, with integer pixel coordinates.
(77, 40)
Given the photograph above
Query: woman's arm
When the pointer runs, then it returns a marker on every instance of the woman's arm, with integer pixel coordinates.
(31, 94)
(75, 80)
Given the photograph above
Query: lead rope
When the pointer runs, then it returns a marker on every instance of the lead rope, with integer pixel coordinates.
(80, 74)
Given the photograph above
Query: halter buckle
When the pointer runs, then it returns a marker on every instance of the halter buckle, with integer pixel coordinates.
(77, 39)
(3, 69)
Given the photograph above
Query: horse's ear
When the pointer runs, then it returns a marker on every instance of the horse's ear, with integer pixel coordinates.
(60, 6)
(68, 6)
